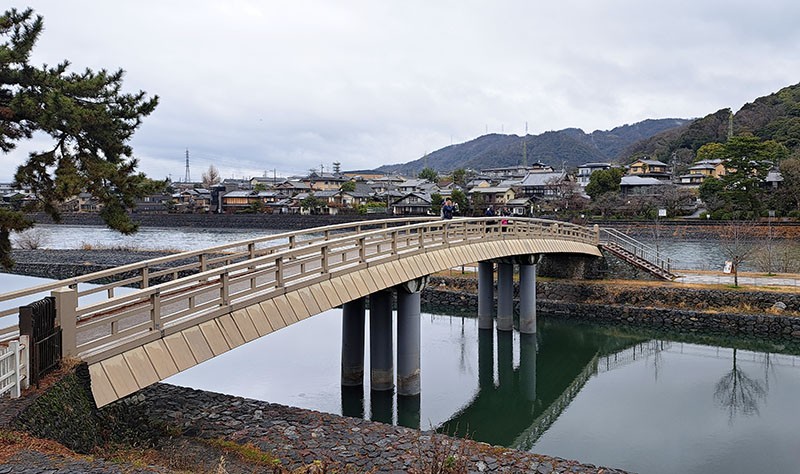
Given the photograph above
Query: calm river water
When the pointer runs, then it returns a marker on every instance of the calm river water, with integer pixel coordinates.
(619, 397)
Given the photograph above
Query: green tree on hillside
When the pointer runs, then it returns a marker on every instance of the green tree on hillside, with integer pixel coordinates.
(604, 181)
(748, 160)
(429, 174)
(89, 119)
(460, 199)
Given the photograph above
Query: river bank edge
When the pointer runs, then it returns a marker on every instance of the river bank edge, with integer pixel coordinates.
(201, 426)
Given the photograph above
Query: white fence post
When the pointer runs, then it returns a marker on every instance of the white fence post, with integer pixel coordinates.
(14, 367)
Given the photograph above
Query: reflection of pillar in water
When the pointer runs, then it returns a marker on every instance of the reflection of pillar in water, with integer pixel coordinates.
(485, 359)
(381, 405)
(353, 343)
(381, 353)
(353, 401)
(408, 409)
(505, 359)
(485, 294)
(505, 296)
(527, 365)
(408, 337)
(527, 298)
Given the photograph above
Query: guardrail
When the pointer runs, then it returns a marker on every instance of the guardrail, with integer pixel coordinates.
(220, 283)
(171, 267)
(14, 367)
(635, 247)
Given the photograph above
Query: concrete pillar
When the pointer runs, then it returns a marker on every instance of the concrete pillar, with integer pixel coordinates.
(381, 353)
(408, 341)
(67, 318)
(527, 365)
(505, 296)
(485, 360)
(527, 298)
(353, 343)
(485, 294)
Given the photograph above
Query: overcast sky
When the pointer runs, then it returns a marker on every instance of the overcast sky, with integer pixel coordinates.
(257, 86)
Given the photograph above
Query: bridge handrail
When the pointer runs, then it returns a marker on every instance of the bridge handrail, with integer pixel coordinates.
(145, 266)
(292, 248)
(313, 261)
(635, 247)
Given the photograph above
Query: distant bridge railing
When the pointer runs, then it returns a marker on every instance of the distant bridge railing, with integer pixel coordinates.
(230, 277)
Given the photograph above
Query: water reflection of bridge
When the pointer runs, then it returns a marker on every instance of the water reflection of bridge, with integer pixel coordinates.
(514, 406)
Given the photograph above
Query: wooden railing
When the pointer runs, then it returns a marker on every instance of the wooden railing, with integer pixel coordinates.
(145, 273)
(226, 279)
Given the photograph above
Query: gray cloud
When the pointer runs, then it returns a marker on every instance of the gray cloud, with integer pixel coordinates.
(253, 86)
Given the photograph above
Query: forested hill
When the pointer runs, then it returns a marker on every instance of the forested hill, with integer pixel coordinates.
(571, 147)
(773, 117)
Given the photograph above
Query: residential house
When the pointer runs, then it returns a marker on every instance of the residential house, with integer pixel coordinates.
(412, 204)
(236, 201)
(325, 181)
(520, 206)
(646, 168)
(639, 186)
(495, 196)
(153, 204)
(516, 172)
(585, 172)
(293, 187)
(544, 185)
(386, 183)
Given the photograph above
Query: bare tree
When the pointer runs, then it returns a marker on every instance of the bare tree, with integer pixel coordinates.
(738, 243)
(739, 393)
(210, 177)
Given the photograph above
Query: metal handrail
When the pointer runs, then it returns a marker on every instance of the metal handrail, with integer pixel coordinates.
(637, 248)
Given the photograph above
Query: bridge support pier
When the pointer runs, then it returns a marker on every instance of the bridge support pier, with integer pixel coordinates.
(505, 296)
(381, 353)
(408, 337)
(485, 294)
(353, 343)
(527, 298)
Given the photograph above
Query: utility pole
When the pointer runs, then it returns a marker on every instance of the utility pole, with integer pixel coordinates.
(187, 176)
(525, 147)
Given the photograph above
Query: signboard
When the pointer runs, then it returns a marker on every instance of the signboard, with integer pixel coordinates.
(662, 213)
(728, 267)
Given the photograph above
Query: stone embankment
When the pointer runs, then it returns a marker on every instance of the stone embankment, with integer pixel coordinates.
(749, 313)
(198, 431)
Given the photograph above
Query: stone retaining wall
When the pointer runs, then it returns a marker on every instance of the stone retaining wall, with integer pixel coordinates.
(685, 309)
(219, 221)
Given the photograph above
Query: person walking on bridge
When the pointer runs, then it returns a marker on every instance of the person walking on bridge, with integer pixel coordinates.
(448, 209)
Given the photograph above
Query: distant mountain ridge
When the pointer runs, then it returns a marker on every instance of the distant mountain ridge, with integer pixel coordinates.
(772, 117)
(569, 147)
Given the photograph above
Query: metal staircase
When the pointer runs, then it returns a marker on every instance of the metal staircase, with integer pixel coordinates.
(636, 253)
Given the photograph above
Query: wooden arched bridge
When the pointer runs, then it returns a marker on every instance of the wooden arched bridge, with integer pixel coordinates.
(141, 323)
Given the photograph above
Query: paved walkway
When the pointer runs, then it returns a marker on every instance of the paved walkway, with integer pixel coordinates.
(745, 279)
